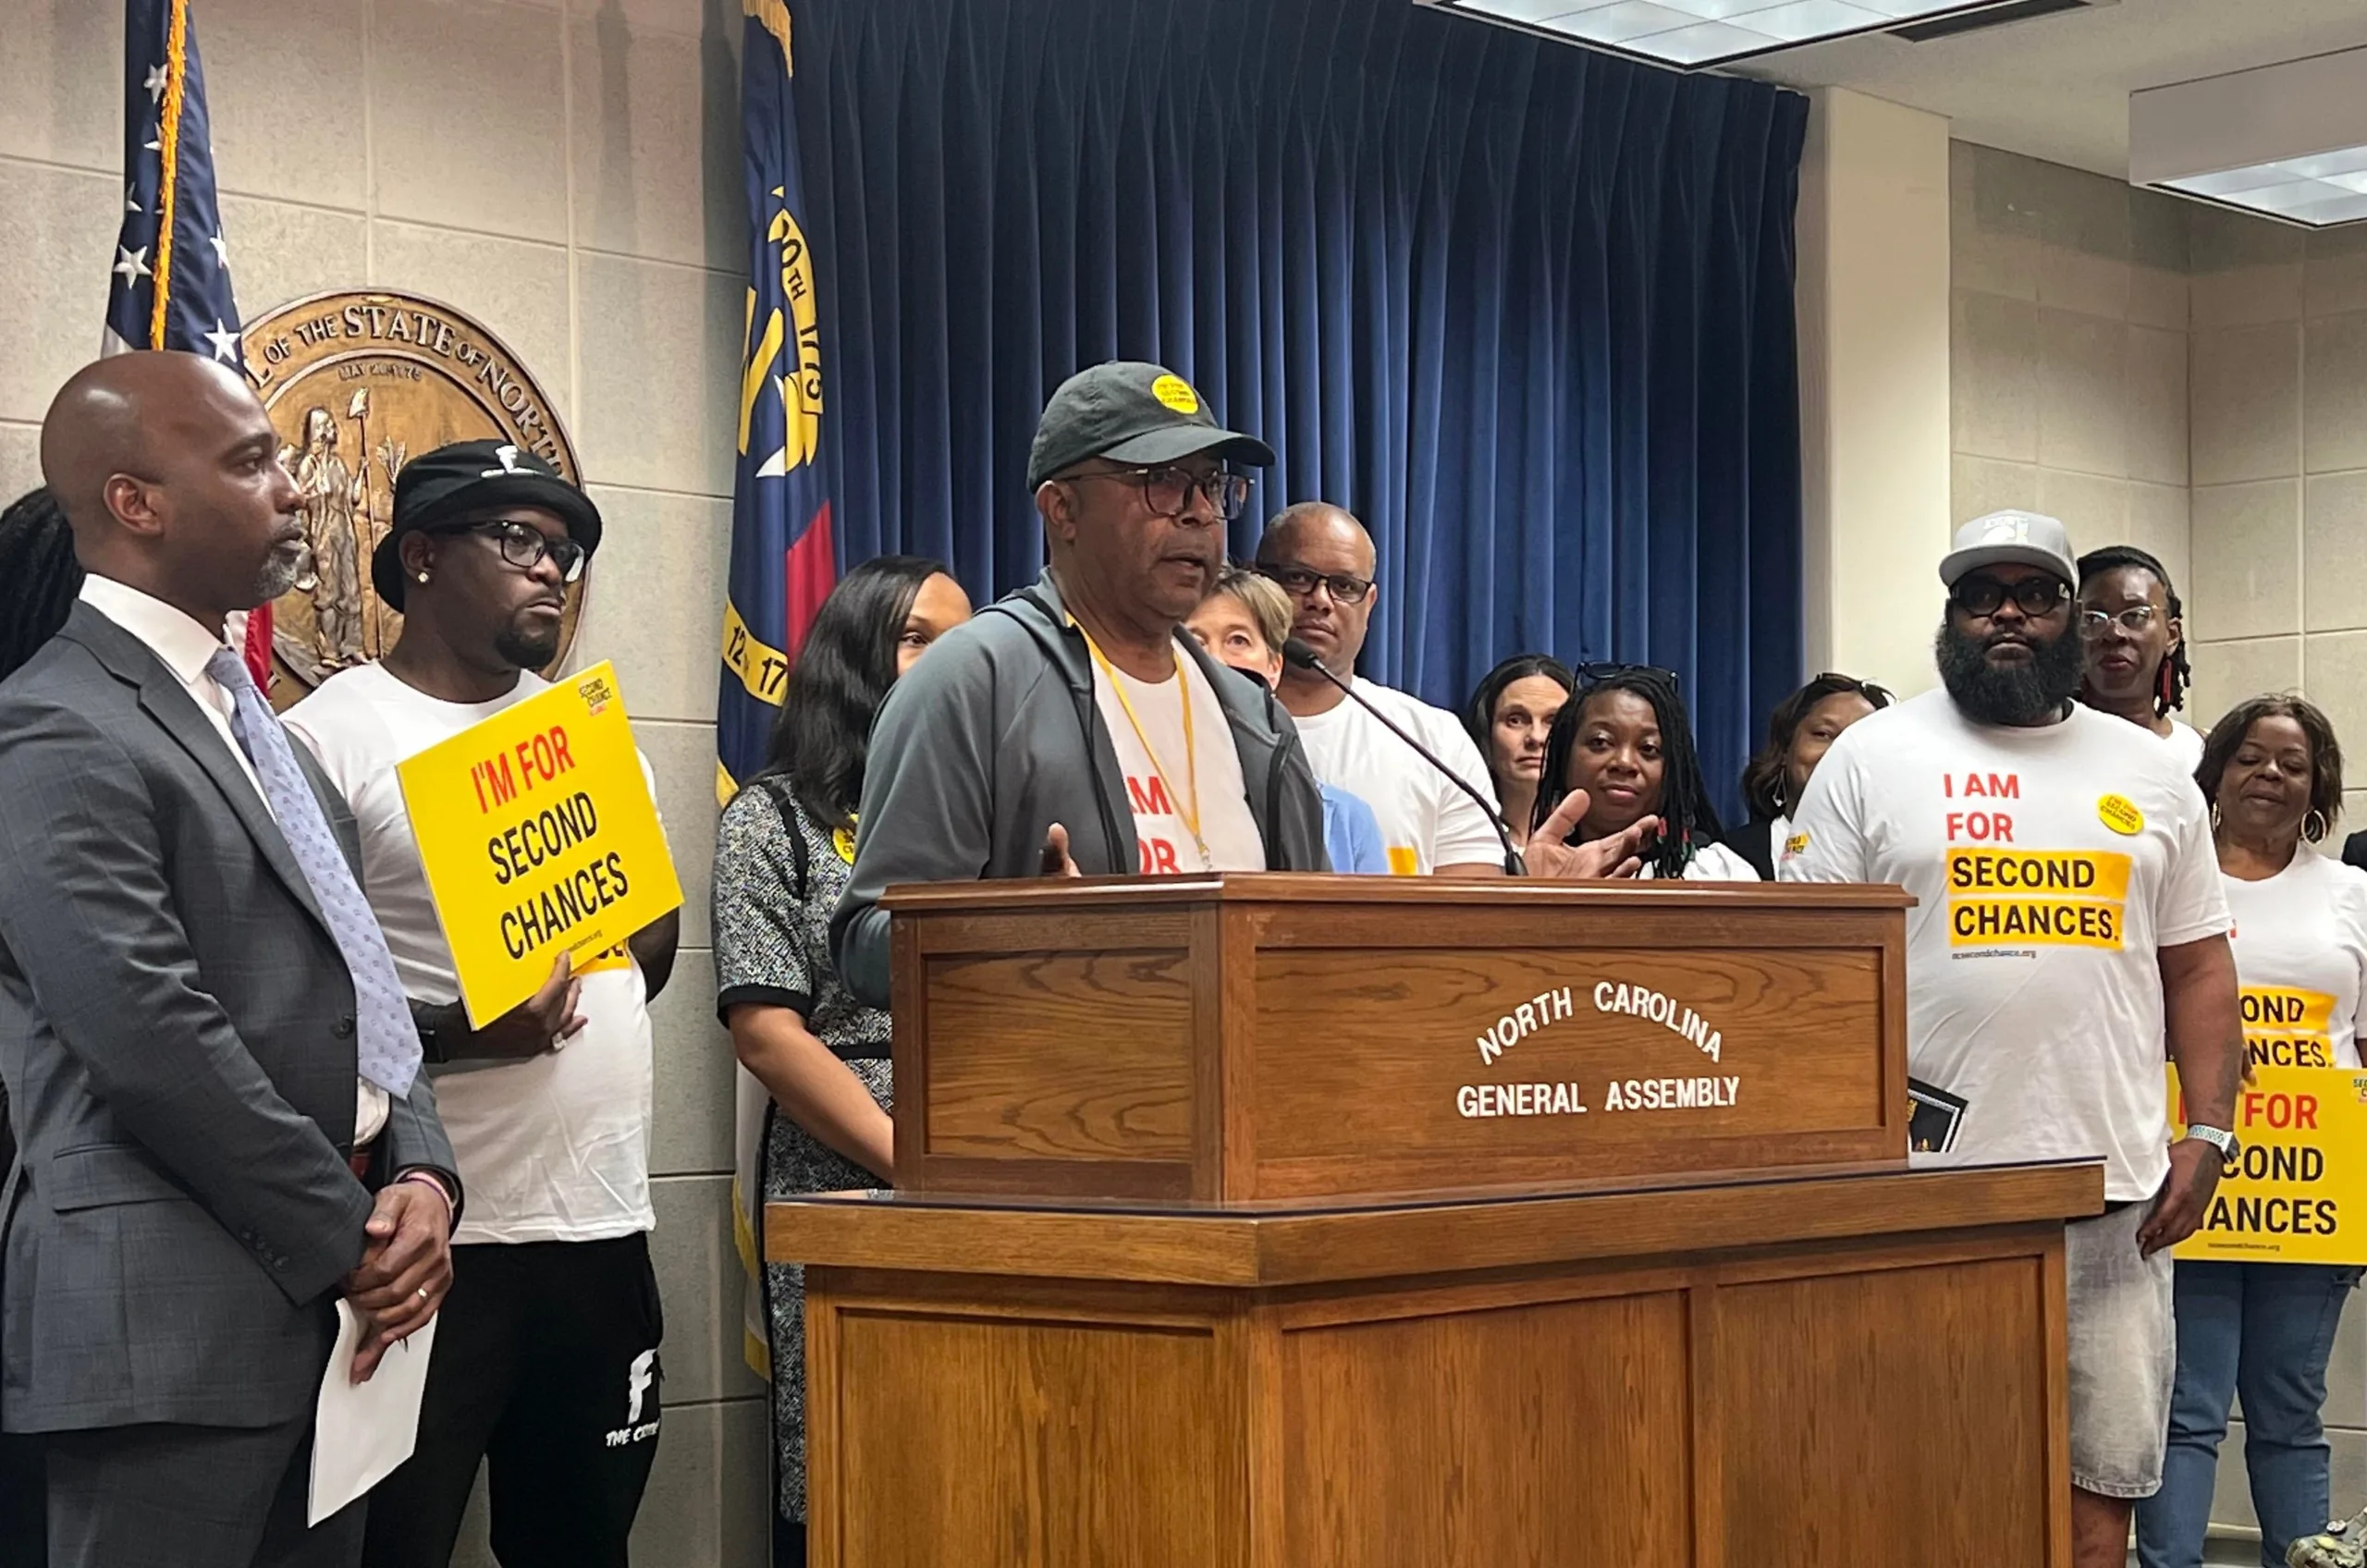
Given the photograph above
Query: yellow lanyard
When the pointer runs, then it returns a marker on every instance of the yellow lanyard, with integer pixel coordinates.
(1191, 820)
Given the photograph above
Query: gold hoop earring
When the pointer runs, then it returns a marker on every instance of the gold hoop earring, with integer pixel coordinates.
(2324, 827)
(2214, 817)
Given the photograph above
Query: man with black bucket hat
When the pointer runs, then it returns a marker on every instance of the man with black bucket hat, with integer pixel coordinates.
(545, 1364)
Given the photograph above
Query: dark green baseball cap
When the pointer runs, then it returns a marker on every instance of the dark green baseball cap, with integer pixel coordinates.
(1132, 412)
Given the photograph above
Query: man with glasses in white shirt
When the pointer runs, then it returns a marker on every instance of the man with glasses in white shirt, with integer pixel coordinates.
(1324, 559)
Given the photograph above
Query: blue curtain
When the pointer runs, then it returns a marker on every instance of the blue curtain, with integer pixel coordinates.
(1525, 310)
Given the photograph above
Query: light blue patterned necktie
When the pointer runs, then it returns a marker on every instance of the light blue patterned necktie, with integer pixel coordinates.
(387, 1041)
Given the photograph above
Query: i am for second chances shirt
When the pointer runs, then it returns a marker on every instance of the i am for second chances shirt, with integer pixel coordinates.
(1425, 821)
(2050, 866)
(553, 1147)
(1160, 781)
(2301, 941)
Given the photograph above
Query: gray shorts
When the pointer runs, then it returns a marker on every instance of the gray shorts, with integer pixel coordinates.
(2124, 1355)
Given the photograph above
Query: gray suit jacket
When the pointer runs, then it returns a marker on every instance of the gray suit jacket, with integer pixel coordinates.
(177, 1034)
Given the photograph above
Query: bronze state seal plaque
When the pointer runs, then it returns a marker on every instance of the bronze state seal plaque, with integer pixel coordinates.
(356, 384)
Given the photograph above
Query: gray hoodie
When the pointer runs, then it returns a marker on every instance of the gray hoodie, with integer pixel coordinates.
(995, 736)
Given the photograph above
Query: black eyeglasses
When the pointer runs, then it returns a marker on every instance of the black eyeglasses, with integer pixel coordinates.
(523, 545)
(1981, 595)
(1299, 582)
(1167, 489)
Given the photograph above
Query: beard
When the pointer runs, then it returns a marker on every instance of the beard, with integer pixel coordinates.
(527, 650)
(281, 570)
(2013, 694)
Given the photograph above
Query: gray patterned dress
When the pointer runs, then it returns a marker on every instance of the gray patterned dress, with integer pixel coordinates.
(773, 947)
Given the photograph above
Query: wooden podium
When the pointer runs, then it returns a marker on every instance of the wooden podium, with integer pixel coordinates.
(1264, 1221)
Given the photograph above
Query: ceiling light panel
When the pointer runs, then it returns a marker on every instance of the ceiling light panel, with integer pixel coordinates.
(1694, 34)
(2288, 141)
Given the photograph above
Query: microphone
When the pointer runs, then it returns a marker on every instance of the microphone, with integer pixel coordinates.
(1298, 656)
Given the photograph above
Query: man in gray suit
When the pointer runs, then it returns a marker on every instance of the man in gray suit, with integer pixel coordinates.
(211, 1070)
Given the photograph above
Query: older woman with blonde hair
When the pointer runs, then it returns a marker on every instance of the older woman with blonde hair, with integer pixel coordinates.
(1242, 622)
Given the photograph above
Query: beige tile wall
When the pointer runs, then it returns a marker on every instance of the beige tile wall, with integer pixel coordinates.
(567, 171)
(2280, 469)
(2069, 350)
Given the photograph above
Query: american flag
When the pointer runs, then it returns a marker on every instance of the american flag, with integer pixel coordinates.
(171, 283)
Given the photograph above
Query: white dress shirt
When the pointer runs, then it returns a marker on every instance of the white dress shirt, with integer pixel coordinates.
(183, 646)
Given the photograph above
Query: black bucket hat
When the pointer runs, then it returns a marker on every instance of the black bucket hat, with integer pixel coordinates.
(468, 476)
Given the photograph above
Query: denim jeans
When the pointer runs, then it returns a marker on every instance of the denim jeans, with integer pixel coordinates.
(2263, 1331)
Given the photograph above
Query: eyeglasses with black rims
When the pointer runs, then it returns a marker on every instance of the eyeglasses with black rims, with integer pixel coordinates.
(1981, 595)
(523, 545)
(1167, 489)
(1299, 582)
(2133, 620)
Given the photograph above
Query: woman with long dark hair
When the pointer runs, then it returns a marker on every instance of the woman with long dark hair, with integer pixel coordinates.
(39, 579)
(1626, 739)
(1798, 732)
(815, 1098)
(1509, 715)
(2272, 771)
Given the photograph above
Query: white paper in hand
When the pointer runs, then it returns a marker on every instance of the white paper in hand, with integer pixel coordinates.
(361, 1431)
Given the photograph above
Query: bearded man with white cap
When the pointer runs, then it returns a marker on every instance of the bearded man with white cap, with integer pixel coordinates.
(2068, 917)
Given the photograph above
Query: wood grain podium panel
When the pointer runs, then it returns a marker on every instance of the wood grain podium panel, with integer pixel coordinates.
(1802, 1384)
(1478, 1438)
(1883, 1474)
(1238, 1037)
(1023, 1439)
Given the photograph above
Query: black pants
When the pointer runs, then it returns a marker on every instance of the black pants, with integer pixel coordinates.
(546, 1369)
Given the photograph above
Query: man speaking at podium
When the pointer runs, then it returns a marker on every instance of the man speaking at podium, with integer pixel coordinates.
(1071, 727)
(1075, 727)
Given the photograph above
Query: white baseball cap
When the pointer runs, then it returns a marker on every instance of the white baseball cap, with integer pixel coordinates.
(2023, 538)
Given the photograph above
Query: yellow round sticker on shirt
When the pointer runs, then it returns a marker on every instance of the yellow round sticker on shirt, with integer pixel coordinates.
(1176, 393)
(2120, 814)
(843, 841)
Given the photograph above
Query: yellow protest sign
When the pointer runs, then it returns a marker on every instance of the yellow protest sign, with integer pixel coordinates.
(2299, 1195)
(539, 837)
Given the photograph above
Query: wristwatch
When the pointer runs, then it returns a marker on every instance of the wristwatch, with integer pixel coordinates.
(2230, 1148)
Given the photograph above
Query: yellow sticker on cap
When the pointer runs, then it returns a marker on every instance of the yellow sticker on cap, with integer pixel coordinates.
(2120, 814)
(1176, 393)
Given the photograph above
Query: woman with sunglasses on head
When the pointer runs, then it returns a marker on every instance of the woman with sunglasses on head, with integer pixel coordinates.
(1625, 740)
(1798, 731)
(1509, 715)
(814, 1114)
(2133, 632)
(2273, 773)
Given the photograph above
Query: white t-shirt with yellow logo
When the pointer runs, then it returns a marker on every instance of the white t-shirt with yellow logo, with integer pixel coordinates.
(2301, 941)
(2049, 865)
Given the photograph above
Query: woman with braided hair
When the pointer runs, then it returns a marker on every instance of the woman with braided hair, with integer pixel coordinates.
(2131, 628)
(39, 576)
(1625, 740)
